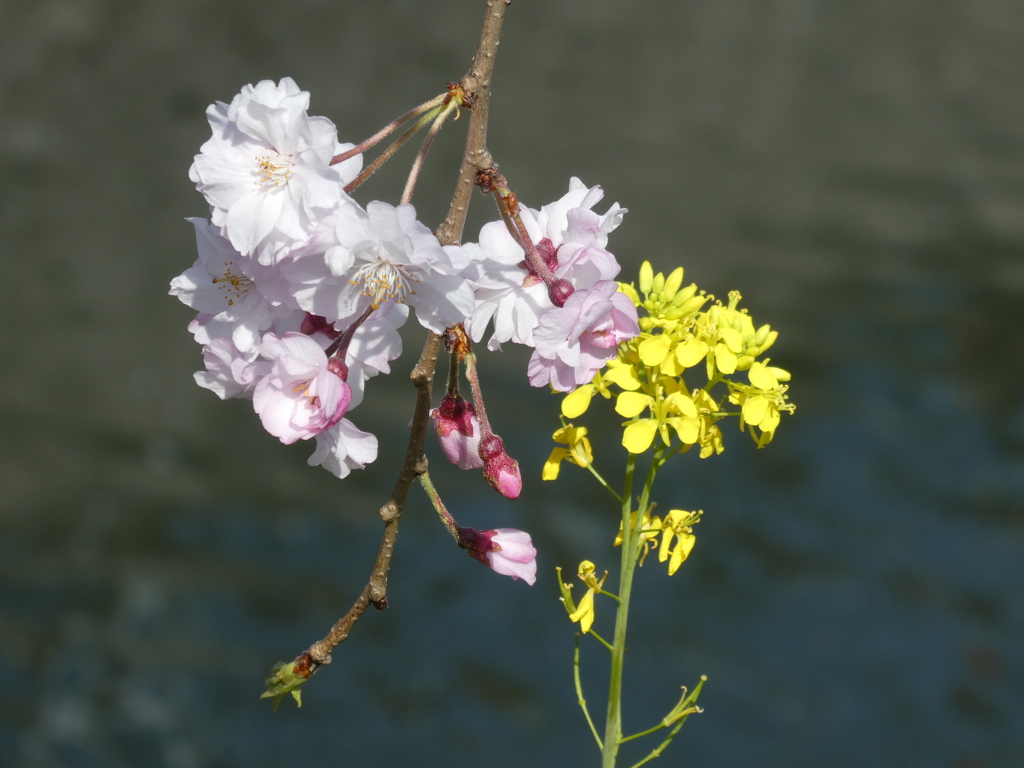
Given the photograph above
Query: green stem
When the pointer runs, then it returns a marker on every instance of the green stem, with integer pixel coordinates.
(649, 731)
(630, 544)
(579, 693)
(661, 747)
(602, 481)
(613, 719)
(601, 640)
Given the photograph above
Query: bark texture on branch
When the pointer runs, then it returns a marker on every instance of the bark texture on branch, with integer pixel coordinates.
(475, 158)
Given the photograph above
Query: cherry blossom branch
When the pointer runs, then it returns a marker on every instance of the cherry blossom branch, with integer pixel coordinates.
(476, 87)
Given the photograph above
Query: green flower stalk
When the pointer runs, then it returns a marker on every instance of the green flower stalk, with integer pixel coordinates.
(665, 416)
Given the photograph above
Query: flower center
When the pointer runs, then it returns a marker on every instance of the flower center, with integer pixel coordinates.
(273, 170)
(232, 286)
(383, 281)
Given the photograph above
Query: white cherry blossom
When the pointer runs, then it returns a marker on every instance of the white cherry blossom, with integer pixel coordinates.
(343, 448)
(267, 165)
(384, 255)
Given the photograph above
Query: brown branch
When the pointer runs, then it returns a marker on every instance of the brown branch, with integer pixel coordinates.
(476, 84)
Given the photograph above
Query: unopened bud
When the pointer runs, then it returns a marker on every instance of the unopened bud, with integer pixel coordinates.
(768, 341)
(559, 291)
(458, 430)
(646, 276)
(693, 304)
(684, 295)
(672, 283)
(657, 284)
(502, 472)
(491, 447)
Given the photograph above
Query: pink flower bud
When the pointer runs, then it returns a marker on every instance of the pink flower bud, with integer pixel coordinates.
(507, 551)
(559, 291)
(491, 447)
(458, 431)
(502, 472)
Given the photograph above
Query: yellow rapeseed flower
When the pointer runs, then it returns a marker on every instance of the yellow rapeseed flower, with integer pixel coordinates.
(579, 451)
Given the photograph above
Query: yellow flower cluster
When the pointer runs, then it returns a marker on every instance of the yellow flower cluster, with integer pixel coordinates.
(677, 333)
(677, 527)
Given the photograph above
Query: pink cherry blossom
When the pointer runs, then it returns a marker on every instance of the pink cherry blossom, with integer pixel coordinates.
(575, 341)
(507, 551)
(299, 397)
(568, 236)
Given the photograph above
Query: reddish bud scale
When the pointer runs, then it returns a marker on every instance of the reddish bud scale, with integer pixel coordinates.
(338, 368)
(491, 447)
(315, 324)
(303, 665)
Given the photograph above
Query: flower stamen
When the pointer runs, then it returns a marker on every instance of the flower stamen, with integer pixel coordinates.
(273, 170)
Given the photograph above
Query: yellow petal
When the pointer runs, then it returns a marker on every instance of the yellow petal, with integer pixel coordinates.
(761, 377)
(670, 366)
(639, 435)
(681, 552)
(630, 404)
(725, 359)
(623, 375)
(687, 428)
(655, 349)
(680, 403)
(667, 534)
(576, 402)
(691, 352)
(733, 340)
(553, 464)
(755, 409)
(585, 612)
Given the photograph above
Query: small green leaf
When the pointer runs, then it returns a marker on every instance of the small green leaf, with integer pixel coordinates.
(286, 677)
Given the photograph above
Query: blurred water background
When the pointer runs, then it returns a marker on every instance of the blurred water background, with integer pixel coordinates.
(854, 167)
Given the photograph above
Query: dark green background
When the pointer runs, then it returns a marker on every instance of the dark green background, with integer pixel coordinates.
(854, 167)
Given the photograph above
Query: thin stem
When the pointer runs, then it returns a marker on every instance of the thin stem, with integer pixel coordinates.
(340, 345)
(388, 129)
(395, 146)
(579, 693)
(661, 747)
(453, 375)
(648, 732)
(473, 376)
(439, 507)
(601, 640)
(417, 164)
(613, 719)
(602, 481)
